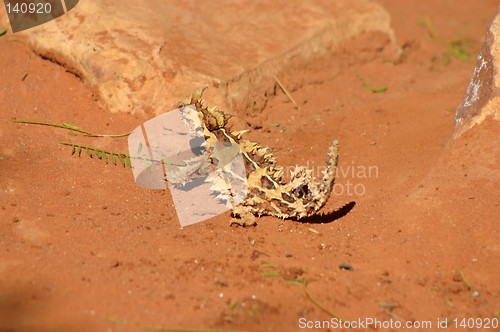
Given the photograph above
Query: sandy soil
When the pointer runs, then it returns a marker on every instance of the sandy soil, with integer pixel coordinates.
(83, 249)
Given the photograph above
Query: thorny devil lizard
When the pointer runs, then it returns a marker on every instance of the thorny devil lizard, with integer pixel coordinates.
(267, 193)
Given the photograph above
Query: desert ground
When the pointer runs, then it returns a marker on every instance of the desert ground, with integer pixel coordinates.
(410, 234)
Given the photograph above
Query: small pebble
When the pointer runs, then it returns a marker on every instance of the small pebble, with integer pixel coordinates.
(344, 266)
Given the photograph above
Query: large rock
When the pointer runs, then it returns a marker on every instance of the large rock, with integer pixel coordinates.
(142, 56)
(453, 205)
(482, 98)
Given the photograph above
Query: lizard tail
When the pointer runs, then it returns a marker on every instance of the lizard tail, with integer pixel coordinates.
(331, 168)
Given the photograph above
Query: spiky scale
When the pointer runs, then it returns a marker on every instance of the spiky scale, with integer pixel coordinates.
(268, 194)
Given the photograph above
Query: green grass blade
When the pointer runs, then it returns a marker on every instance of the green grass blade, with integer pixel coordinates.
(88, 152)
(122, 161)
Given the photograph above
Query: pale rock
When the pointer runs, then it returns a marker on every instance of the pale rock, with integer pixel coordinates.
(144, 55)
(482, 98)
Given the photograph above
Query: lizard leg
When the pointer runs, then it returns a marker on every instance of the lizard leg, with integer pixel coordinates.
(245, 219)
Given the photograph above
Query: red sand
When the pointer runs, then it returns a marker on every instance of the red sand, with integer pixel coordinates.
(83, 249)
